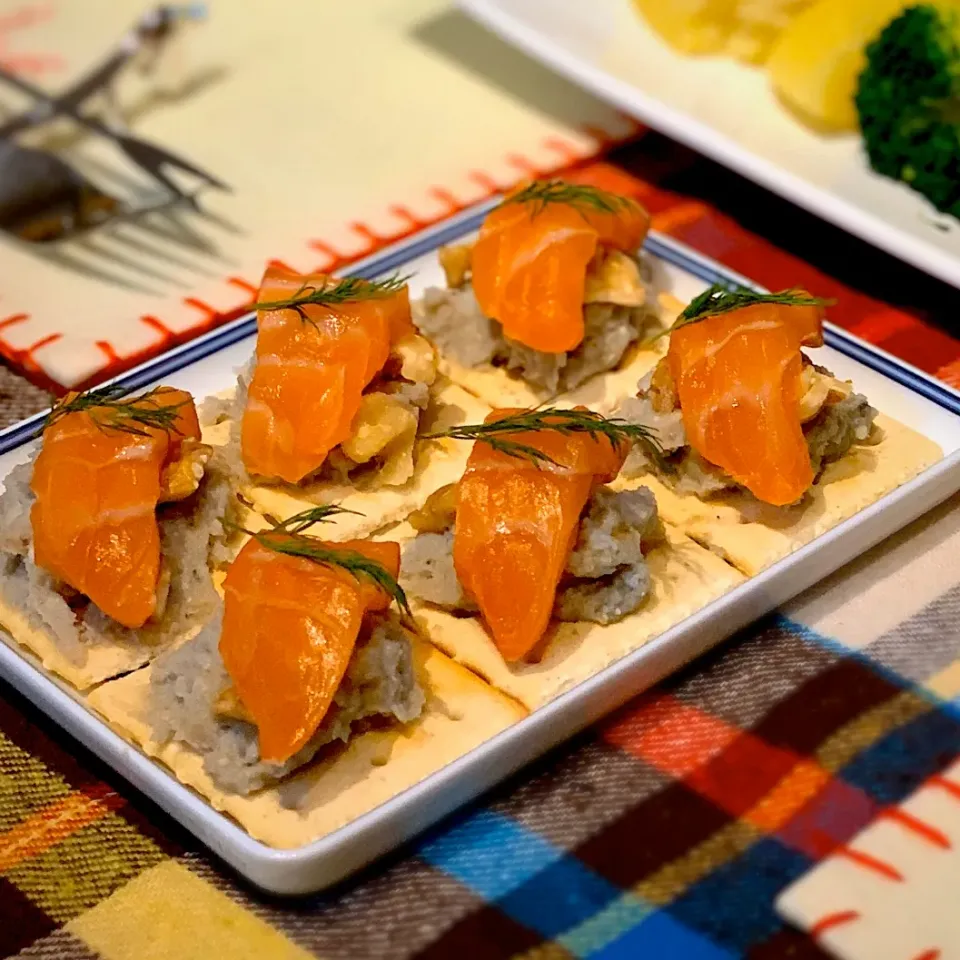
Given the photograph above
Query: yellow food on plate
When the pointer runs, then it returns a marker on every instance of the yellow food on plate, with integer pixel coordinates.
(744, 29)
(815, 63)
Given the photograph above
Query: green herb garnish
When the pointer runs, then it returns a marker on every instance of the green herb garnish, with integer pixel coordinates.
(304, 520)
(345, 290)
(112, 408)
(725, 299)
(294, 543)
(541, 193)
(353, 562)
(615, 429)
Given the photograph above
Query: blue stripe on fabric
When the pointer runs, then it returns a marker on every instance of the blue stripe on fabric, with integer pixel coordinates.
(605, 926)
(564, 895)
(530, 880)
(662, 937)
(732, 905)
(898, 763)
(490, 854)
(889, 770)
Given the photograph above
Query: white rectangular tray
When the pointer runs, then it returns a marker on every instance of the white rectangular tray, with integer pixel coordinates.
(729, 112)
(208, 365)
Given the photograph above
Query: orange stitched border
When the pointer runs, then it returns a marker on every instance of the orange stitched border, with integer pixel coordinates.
(869, 862)
(832, 920)
(916, 826)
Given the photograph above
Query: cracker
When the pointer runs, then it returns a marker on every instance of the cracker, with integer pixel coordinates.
(438, 463)
(82, 663)
(685, 578)
(101, 658)
(461, 712)
(752, 535)
(601, 393)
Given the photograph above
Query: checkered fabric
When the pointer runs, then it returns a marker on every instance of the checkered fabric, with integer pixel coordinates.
(18, 398)
(666, 832)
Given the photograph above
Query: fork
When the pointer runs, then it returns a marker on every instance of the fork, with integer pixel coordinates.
(145, 155)
(153, 28)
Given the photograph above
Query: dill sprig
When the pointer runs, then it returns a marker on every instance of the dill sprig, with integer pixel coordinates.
(725, 299)
(303, 521)
(293, 542)
(541, 193)
(617, 430)
(355, 563)
(112, 408)
(345, 290)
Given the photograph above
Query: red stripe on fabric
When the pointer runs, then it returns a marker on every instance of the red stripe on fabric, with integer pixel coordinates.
(933, 954)
(747, 770)
(881, 325)
(670, 735)
(916, 826)
(679, 216)
(606, 176)
(949, 373)
(922, 345)
(832, 920)
(53, 823)
(12, 319)
(869, 862)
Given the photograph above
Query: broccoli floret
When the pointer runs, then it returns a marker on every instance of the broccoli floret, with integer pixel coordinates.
(908, 99)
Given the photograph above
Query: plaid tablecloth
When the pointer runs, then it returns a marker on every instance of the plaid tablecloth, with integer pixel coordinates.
(667, 831)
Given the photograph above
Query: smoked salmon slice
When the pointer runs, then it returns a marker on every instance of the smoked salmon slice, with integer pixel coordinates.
(314, 361)
(517, 523)
(530, 262)
(289, 629)
(97, 481)
(738, 377)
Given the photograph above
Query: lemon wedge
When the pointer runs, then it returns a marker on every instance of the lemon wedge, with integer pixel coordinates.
(744, 29)
(815, 63)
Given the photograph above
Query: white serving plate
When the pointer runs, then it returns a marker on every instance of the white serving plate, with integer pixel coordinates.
(727, 111)
(208, 365)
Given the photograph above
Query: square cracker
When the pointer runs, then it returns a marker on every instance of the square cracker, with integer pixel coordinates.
(461, 712)
(600, 393)
(684, 577)
(752, 535)
(439, 462)
(94, 659)
(101, 660)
